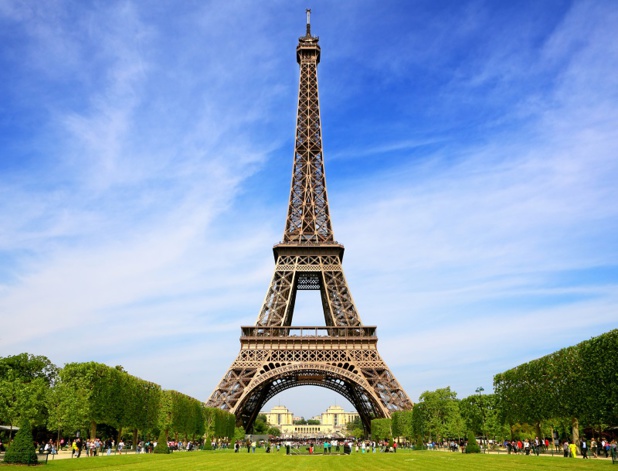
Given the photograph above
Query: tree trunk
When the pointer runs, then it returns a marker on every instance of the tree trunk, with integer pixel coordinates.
(538, 430)
(119, 434)
(135, 438)
(93, 430)
(575, 430)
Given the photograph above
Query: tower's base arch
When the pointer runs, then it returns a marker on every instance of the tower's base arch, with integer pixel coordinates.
(350, 385)
(272, 360)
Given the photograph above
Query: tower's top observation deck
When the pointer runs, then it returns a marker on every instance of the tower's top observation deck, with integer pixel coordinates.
(308, 48)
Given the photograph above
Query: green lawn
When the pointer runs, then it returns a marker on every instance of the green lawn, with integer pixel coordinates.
(402, 460)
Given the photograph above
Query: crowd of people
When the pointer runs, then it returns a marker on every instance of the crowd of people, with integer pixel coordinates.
(593, 448)
(311, 446)
(98, 447)
(94, 447)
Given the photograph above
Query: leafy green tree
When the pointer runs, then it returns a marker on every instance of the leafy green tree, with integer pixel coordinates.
(93, 384)
(180, 414)
(29, 367)
(25, 380)
(219, 424)
(381, 429)
(68, 412)
(481, 415)
(418, 425)
(402, 424)
(22, 399)
(239, 434)
(142, 407)
(355, 428)
(313, 422)
(166, 410)
(441, 416)
(22, 449)
(260, 427)
(274, 431)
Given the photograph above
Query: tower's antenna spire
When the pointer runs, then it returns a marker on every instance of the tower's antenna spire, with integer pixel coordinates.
(308, 22)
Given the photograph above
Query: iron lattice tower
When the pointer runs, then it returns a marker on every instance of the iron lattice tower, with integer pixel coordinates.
(342, 355)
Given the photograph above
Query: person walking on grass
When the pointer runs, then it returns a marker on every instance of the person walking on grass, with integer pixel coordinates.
(593, 447)
(583, 447)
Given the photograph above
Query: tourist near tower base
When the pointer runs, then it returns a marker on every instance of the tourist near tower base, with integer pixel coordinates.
(342, 354)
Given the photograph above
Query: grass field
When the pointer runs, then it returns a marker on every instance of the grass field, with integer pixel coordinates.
(402, 460)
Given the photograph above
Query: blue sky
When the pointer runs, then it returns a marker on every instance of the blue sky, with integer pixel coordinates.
(145, 160)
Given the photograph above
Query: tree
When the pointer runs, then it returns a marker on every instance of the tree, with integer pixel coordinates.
(419, 431)
(25, 380)
(355, 428)
(22, 449)
(68, 412)
(239, 434)
(29, 367)
(440, 414)
(481, 415)
(402, 424)
(97, 389)
(577, 391)
(274, 431)
(219, 424)
(142, 406)
(260, 427)
(474, 410)
(381, 429)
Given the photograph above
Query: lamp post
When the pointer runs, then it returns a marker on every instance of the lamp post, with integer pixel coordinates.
(479, 391)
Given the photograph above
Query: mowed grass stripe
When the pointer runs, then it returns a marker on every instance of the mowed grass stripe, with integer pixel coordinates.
(402, 460)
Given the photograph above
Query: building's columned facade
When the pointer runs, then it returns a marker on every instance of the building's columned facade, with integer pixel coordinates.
(332, 423)
(337, 417)
(279, 416)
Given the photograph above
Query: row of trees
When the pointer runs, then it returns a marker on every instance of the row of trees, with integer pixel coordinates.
(84, 396)
(440, 415)
(573, 388)
(577, 383)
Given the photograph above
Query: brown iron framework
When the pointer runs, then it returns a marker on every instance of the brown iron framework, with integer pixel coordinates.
(342, 355)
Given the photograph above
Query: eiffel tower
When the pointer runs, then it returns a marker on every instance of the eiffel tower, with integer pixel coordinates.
(342, 355)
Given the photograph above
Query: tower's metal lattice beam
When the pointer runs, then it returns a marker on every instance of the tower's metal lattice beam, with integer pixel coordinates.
(308, 217)
(301, 271)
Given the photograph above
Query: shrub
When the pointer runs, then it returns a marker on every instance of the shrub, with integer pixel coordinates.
(208, 443)
(418, 444)
(161, 444)
(472, 446)
(22, 449)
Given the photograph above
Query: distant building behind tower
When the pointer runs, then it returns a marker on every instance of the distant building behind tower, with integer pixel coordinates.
(332, 423)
